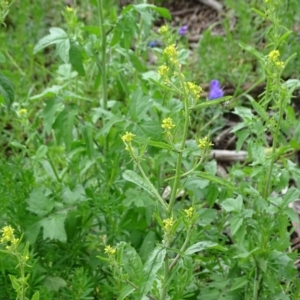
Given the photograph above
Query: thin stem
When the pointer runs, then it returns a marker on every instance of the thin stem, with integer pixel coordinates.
(179, 157)
(175, 260)
(153, 189)
(256, 283)
(135, 287)
(274, 146)
(166, 274)
(103, 63)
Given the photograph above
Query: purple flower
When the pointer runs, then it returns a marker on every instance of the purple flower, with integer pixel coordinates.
(215, 90)
(153, 44)
(183, 30)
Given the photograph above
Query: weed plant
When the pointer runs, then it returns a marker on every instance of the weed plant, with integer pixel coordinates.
(107, 185)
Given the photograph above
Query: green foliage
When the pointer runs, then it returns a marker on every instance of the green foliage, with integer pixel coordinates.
(106, 166)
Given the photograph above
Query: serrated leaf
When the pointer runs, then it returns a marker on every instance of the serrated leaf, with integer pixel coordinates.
(200, 246)
(258, 108)
(56, 36)
(54, 227)
(6, 90)
(152, 266)
(38, 203)
(75, 56)
(131, 176)
(253, 51)
(54, 283)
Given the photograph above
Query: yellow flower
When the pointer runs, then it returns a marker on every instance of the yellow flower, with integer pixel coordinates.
(273, 55)
(22, 112)
(189, 212)
(204, 143)
(7, 234)
(193, 89)
(168, 224)
(163, 70)
(163, 29)
(172, 54)
(69, 9)
(167, 123)
(109, 250)
(128, 137)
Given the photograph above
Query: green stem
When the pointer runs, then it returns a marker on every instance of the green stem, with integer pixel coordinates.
(166, 274)
(274, 147)
(103, 63)
(256, 284)
(175, 260)
(179, 158)
(153, 189)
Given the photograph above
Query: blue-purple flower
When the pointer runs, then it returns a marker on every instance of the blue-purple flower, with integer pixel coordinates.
(183, 30)
(215, 90)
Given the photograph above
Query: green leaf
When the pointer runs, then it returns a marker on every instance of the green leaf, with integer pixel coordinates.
(137, 198)
(87, 131)
(63, 126)
(258, 108)
(6, 90)
(75, 56)
(2, 58)
(232, 204)
(160, 10)
(235, 224)
(36, 296)
(215, 179)
(14, 282)
(54, 283)
(56, 36)
(239, 282)
(131, 176)
(54, 227)
(291, 195)
(253, 51)
(152, 266)
(126, 291)
(38, 203)
(130, 261)
(53, 106)
(105, 130)
(200, 246)
(211, 102)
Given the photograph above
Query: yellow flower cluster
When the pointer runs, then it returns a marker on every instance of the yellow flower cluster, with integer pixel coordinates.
(8, 236)
(163, 29)
(204, 143)
(193, 89)
(167, 124)
(273, 56)
(189, 212)
(22, 112)
(110, 250)
(163, 70)
(172, 53)
(168, 224)
(128, 137)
